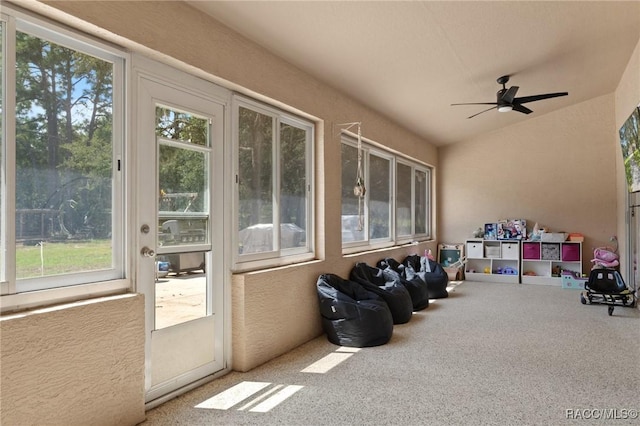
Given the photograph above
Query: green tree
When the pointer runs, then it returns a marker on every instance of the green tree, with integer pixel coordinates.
(182, 170)
(630, 144)
(293, 185)
(63, 135)
(256, 168)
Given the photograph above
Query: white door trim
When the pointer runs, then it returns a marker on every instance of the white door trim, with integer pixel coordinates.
(144, 68)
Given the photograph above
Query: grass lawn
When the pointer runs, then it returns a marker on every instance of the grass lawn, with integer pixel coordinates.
(53, 258)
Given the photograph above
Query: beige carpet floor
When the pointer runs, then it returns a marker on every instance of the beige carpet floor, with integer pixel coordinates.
(490, 354)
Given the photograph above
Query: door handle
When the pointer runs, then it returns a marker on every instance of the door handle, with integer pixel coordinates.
(147, 252)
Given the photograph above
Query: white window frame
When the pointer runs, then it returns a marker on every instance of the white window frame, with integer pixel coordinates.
(277, 257)
(385, 241)
(367, 151)
(351, 142)
(369, 148)
(26, 293)
(429, 200)
(415, 236)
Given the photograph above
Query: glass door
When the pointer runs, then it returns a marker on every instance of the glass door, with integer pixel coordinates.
(180, 255)
(633, 270)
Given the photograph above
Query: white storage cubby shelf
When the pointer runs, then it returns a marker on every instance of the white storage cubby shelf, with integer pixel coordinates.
(493, 260)
(543, 262)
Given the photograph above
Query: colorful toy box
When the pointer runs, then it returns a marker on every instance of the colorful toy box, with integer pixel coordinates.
(512, 229)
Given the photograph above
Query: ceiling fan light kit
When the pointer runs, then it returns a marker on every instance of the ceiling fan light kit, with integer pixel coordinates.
(506, 100)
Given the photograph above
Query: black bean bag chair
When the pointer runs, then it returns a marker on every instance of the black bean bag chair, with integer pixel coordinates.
(386, 286)
(435, 276)
(416, 287)
(351, 315)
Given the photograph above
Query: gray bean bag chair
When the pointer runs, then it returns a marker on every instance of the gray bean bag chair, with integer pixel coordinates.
(387, 286)
(351, 315)
(435, 276)
(416, 287)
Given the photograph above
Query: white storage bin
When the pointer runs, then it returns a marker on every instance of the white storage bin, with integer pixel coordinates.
(492, 251)
(510, 250)
(474, 249)
(553, 237)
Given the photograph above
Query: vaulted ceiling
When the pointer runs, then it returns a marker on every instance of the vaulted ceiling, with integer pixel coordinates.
(410, 60)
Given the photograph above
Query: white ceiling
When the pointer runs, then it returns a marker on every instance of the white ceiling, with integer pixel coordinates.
(410, 60)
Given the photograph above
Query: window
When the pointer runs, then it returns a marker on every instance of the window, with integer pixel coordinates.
(353, 217)
(421, 203)
(3, 156)
(379, 197)
(375, 220)
(366, 218)
(184, 152)
(274, 157)
(412, 205)
(61, 158)
(404, 196)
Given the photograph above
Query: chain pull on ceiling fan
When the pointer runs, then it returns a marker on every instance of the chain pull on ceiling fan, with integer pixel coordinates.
(506, 100)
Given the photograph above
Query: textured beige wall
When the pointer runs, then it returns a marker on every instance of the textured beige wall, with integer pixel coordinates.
(76, 364)
(557, 169)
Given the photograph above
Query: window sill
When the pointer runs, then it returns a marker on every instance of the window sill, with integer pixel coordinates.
(359, 250)
(38, 299)
(272, 263)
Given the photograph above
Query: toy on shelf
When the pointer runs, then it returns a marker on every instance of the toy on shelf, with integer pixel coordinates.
(490, 231)
(536, 232)
(507, 271)
(512, 229)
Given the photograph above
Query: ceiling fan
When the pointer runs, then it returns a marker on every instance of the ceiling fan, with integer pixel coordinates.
(506, 100)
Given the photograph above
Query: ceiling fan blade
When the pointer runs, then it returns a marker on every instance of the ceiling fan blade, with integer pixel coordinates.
(509, 94)
(534, 98)
(494, 107)
(477, 103)
(522, 109)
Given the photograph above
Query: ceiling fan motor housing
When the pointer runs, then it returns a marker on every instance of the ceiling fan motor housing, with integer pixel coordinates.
(499, 95)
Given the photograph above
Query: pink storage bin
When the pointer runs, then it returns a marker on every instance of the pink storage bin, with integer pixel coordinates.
(531, 251)
(570, 252)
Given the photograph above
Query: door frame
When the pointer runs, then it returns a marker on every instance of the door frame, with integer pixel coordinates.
(633, 239)
(146, 68)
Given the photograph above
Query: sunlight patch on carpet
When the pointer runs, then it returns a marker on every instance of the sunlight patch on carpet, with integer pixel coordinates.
(327, 363)
(232, 396)
(265, 396)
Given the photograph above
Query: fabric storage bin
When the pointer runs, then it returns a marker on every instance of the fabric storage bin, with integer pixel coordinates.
(550, 251)
(474, 249)
(531, 251)
(510, 250)
(492, 251)
(553, 237)
(571, 252)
